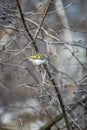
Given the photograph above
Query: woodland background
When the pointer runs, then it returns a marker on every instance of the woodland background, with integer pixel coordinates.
(52, 96)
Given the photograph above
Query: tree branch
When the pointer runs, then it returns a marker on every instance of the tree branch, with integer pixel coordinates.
(25, 26)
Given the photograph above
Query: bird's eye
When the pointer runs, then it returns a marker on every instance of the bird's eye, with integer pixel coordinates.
(37, 57)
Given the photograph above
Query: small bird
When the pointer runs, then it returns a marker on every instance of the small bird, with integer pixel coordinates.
(37, 59)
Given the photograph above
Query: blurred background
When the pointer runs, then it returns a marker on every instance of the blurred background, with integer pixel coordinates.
(28, 100)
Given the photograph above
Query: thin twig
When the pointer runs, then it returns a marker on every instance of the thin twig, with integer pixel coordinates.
(54, 83)
(74, 121)
(73, 54)
(60, 99)
(21, 123)
(25, 26)
(34, 23)
(45, 13)
(57, 118)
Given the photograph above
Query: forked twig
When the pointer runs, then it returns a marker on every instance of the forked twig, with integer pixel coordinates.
(25, 26)
(60, 99)
(36, 49)
(45, 13)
